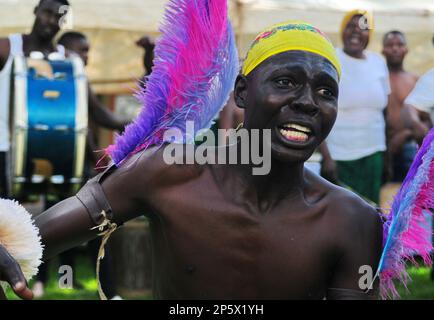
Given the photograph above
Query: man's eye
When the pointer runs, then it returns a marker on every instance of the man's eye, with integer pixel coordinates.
(285, 82)
(326, 93)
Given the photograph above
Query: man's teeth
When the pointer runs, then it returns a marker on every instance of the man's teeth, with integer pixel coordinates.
(294, 135)
(297, 127)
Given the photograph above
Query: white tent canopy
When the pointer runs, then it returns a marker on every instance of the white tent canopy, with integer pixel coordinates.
(114, 25)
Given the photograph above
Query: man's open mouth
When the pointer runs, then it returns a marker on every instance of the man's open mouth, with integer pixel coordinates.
(295, 132)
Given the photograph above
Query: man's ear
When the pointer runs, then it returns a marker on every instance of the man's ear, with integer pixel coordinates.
(35, 9)
(240, 91)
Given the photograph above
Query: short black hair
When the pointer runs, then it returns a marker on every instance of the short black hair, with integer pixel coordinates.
(394, 33)
(64, 2)
(68, 37)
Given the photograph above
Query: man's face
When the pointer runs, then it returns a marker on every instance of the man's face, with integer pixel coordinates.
(81, 47)
(295, 94)
(395, 49)
(48, 15)
(356, 34)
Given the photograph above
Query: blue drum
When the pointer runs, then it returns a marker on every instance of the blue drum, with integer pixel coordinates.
(49, 122)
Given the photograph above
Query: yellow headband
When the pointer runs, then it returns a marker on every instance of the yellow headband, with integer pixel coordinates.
(289, 36)
(369, 20)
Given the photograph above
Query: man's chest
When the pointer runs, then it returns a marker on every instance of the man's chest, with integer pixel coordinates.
(401, 86)
(203, 240)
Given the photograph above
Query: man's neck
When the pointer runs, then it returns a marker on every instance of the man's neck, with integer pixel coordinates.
(264, 191)
(355, 54)
(395, 68)
(32, 42)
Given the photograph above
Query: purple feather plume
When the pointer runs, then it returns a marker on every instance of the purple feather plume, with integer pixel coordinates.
(195, 67)
(406, 231)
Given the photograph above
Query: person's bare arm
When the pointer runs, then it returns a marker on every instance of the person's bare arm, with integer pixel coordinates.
(101, 115)
(73, 221)
(148, 44)
(396, 142)
(360, 246)
(5, 48)
(417, 121)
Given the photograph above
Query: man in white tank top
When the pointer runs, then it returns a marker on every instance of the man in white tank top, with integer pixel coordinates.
(48, 15)
(45, 28)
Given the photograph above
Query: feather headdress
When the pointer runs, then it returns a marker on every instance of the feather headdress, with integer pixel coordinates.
(195, 67)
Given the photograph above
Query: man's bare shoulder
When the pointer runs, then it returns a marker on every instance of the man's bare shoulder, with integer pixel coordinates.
(158, 166)
(414, 77)
(410, 77)
(345, 208)
(353, 211)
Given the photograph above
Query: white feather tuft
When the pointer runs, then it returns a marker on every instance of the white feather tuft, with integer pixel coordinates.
(20, 237)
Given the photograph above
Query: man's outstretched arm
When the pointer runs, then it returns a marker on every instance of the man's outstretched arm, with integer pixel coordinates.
(118, 195)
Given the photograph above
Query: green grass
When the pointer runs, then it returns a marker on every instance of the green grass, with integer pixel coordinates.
(420, 288)
(84, 273)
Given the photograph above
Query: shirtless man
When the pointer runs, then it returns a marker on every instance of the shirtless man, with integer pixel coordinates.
(220, 232)
(417, 113)
(401, 147)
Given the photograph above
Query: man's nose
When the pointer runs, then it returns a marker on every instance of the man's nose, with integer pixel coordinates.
(305, 103)
(53, 20)
(395, 48)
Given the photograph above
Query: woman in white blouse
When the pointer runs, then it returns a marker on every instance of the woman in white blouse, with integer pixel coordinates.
(358, 141)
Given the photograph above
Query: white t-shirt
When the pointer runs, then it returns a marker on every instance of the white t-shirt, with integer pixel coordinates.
(364, 88)
(422, 96)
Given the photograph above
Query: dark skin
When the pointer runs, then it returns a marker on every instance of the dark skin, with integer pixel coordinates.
(231, 117)
(220, 232)
(417, 121)
(355, 38)
(414, 122)
(44, 29)
(148, 45)
(402, 83)
(81, 47)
